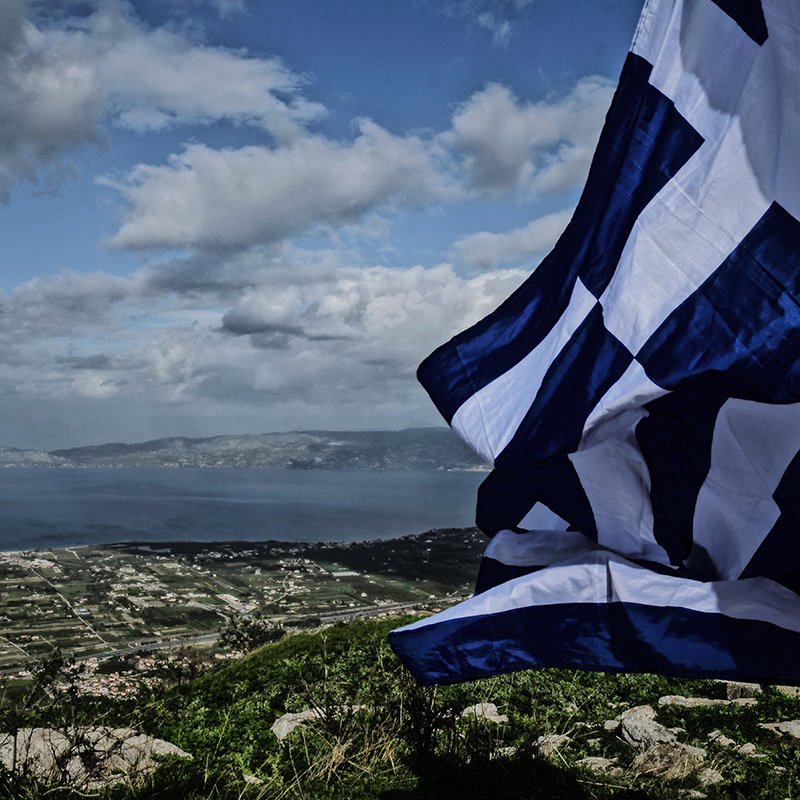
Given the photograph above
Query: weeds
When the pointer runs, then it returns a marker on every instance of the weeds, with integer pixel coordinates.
(379, 735)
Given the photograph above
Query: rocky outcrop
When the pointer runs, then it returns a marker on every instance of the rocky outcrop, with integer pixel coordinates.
(84, 758)
(638, 727)
(659, 751)
(787, 728)
(654, 750)
(487, 711)
(286, 723)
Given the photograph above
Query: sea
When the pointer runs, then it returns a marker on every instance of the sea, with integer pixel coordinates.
(69, 507)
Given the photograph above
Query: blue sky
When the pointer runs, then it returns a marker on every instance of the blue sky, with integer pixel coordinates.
(230, 216)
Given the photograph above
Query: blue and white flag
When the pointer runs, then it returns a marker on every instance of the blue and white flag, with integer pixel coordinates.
(639, 395)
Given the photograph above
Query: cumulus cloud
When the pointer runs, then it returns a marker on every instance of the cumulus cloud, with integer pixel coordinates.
(63, 305)
(258, 195)
(50, 101)
(487, 250)
(155, 78)
(62, 80)
(245, 328)
(539, 147)
(207, 198)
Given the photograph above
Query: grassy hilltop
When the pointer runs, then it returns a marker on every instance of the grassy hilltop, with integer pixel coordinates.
(378, 735)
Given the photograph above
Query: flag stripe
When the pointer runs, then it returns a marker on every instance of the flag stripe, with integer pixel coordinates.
(749, 16)
(778, 556)
(607, 614)
(753, 445)
(576, 380)
(605, 637)
(489, 419)
(675, 440)
(504, 499)
(645, 142)
(751, 347)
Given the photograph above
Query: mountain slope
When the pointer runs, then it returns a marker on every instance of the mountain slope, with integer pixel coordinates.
(413, 448)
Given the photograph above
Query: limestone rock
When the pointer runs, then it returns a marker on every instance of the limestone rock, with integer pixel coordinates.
(791, 728)
(710, 776)
(749, 749)
(640, 730)
(689, 702)
(597, 763)
(88, 757)
(669, 760)
(736, 690)
(717, 737)
(547, 745)
(485, 711)
(284, 725)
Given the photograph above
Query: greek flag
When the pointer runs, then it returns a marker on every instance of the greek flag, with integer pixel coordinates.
(639, 395)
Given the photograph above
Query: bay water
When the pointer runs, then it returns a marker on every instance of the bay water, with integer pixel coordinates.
(68, 507)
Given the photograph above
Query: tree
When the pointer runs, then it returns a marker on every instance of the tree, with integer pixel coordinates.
(244, 634)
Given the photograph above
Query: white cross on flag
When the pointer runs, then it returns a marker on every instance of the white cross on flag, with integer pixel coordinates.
(639, 395)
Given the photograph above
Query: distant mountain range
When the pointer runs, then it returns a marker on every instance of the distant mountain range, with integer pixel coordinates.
(413, 448)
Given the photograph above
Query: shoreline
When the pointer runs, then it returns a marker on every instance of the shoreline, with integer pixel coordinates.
(238, 545)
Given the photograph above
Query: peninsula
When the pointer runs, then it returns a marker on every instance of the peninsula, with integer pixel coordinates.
(412, 448)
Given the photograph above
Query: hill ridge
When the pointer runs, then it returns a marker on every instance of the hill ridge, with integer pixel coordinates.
(410, 448)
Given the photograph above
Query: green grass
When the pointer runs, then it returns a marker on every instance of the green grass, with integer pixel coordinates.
(410, 743)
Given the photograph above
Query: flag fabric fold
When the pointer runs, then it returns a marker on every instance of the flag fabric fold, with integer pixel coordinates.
(639, 396)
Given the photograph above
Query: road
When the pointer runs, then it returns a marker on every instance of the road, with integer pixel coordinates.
(209, 638)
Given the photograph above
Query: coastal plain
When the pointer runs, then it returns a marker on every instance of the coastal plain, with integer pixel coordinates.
(99, 601)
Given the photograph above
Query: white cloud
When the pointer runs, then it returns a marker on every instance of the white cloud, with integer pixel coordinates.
(62, 82)
(373, 324)
(92, 335)
(50, 101)
(234, 199)
(487, 250)
(537, 147)
(247, 328)
(155, 78)
(496, 16)
(257, 195)
(341, 346)
(500, 28)
(64, 305)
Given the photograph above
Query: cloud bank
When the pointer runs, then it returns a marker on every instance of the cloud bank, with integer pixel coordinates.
(250, 324)
(347, 342)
